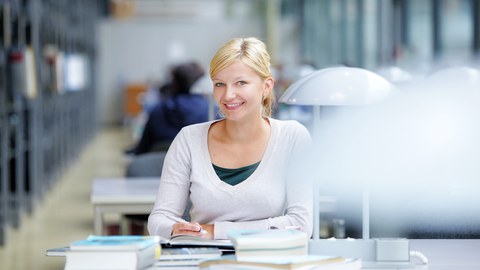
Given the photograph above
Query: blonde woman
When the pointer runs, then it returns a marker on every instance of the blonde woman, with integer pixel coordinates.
(234, 169)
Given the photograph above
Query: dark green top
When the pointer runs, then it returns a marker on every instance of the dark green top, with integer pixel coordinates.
(235, 176)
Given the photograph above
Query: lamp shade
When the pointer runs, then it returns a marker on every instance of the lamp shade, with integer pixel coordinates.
(339, 86)
(455, 79)
(394, 74)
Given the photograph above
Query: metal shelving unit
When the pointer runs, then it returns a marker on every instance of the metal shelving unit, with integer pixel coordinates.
(3, 145)
(43, 130)
(13, 51)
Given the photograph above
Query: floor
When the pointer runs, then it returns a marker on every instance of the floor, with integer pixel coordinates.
(65, 214)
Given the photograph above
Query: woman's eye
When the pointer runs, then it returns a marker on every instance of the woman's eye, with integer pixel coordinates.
(218, 84)
(242, 82)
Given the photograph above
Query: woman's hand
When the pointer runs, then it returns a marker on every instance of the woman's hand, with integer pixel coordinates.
(209, 229)
(186, 228)
(204, 230)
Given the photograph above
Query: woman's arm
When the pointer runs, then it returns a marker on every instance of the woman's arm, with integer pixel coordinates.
(173, 191)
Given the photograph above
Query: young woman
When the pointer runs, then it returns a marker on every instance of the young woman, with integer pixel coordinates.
(234, 170)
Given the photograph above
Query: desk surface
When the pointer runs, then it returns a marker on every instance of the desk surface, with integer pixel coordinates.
(449, 254)
(443, 254)
(122, 196)
(124, 190)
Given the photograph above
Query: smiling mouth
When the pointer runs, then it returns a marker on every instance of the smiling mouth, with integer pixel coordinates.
(233, 106)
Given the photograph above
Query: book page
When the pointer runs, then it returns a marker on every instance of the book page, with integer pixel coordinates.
(190, 240)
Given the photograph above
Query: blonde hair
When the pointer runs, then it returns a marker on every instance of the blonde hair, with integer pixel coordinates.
(253, 53)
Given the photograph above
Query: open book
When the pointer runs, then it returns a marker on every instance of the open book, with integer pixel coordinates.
(182, 240)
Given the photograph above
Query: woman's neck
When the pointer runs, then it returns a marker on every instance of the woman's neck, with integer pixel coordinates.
(247, 130)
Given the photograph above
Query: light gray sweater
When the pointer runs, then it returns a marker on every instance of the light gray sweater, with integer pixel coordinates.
(269, 197)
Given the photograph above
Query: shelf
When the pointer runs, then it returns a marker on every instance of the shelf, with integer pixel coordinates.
(44, 131)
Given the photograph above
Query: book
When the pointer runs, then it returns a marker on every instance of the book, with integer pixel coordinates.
(260, 243)
(310, 262)
(57, 252)
(114, 242)
(183, 240)
(248, 253)
(110, 260)
(186, 256)
(113, 252)
(258, 239)
(178, 263)
(189, 253)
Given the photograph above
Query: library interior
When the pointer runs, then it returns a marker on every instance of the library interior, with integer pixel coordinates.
(93, 92)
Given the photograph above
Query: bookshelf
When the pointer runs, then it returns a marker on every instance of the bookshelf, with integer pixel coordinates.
(3, 145)
(43, 126)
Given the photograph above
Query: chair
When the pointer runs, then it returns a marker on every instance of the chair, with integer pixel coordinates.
(145, 165)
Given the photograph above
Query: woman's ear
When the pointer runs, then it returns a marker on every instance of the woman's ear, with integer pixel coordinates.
(269, 84)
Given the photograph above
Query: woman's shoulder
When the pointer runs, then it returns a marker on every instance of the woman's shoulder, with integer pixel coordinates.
(197, 129)
(288, 125)
(197, 126)
(192, 135)
(290, 130)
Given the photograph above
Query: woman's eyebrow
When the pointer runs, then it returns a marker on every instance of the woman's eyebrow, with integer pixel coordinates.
(234, 79)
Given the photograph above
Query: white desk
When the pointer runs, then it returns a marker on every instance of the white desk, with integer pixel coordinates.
(122, 196)
(449, 254)
(443, 254)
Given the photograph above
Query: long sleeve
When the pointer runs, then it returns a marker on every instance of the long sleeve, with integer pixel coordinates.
(173, 192)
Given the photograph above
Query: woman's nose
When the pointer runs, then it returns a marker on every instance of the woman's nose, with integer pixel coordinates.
(230, 93)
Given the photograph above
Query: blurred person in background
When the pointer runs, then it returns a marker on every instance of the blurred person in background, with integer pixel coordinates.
(177, 108)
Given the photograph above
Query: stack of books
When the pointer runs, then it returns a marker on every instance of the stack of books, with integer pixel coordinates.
(275, 249)
(130, 252)
(279, 242)
(186, 256)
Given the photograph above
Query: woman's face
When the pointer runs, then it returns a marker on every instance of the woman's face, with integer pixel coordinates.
(239, 91)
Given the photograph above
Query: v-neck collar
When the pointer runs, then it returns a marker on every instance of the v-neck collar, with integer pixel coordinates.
(267, 155)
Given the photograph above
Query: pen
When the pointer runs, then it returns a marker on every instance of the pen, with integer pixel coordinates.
(181, 220)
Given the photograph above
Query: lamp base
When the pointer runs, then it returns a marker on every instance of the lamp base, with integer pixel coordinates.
(385, 253)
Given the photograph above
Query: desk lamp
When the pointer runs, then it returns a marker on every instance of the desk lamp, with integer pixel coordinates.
(337, 86)
(394, 74)
(451, 78)
(346, 86)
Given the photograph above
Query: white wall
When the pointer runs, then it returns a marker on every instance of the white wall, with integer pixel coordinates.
(140, 49)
